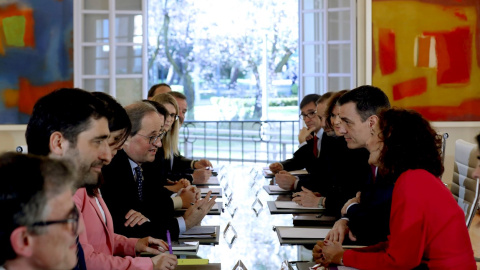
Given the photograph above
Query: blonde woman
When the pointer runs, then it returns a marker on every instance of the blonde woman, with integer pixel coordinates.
(173, 165)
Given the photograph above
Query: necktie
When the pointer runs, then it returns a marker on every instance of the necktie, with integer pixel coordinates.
(315, 145)
(374, 170)
(139, 177)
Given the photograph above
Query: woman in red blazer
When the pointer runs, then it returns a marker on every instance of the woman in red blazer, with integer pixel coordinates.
(427, 227)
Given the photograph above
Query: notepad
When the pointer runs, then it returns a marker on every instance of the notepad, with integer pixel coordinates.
(292, 205)
(185, 246)
(192, 261)
(199, 232)
(276, 188)
(214, 190)
(304, 233)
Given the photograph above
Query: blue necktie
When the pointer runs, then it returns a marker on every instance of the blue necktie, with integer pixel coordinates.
(139, 177)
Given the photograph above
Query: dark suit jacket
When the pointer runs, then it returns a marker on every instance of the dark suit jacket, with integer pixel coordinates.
(162, 168)
(341, 172)
(370, 219)
(303, 158)
(120, 194)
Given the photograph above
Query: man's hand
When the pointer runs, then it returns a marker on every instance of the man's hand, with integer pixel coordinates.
(135, 218)
(285, 180)
(355, 200)
(188, 195)
(305, 134)
(276, 167)
(200, 176)
(306, 198)
(202, 163)
(176, 186)
(195, 213)
(164, 261)
(338, 232)
(150, 244)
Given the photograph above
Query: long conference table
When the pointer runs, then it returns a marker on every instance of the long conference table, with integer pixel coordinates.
(247, 228)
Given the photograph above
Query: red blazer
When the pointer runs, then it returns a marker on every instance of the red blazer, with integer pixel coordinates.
(103, 247)
(426, 226)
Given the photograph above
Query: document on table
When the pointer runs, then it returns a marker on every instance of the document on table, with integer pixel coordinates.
(276, 188)
(200, 232)
(292, 205)
(214, 190)
(267, 172)
(304, 233)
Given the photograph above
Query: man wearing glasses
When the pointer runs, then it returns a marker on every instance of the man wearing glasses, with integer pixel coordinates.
(310, 139)
(39, 220)
(125, 187)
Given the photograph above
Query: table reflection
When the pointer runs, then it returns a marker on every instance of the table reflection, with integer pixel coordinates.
(255, 244)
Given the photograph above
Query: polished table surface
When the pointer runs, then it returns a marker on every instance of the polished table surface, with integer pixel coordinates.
(246, 213)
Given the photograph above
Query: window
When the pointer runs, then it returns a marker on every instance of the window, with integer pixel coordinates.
(327, 46)
(109, 56)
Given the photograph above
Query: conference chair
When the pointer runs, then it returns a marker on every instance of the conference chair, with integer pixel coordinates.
(464, 188)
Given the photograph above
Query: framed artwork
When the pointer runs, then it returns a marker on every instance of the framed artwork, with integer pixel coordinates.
(36, 54)
(426, 56)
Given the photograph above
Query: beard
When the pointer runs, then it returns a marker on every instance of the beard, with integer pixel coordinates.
(85, 176)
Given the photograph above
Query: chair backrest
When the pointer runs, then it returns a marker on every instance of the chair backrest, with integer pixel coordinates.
(464, 188)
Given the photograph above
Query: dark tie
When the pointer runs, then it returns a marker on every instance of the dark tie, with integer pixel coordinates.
(139, 176)
(315, 145)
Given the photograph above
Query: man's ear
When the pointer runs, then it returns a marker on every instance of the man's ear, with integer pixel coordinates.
(372, 121)
(58, 144)
(22, 242)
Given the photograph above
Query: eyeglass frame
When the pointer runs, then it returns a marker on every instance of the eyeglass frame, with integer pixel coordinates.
(153, 139)
(310, 115)
(72, 220)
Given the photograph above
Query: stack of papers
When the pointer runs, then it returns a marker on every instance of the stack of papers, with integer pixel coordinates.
(304, 233)
(215, 191)
(292, 205)
(200, 232)
(275, 188)
(185, 246)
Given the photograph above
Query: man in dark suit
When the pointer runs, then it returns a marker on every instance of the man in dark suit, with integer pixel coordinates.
(365, 217)
(140, 205)
(310, 151)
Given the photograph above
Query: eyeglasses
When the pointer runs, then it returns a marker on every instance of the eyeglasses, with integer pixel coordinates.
(153, 139)
(310, 115)
(174, 116)
(73, 220)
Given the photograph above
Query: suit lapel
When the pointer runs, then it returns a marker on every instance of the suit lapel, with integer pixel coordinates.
(107, 227)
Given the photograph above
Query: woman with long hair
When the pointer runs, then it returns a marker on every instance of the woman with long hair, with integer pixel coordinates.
(427, 227)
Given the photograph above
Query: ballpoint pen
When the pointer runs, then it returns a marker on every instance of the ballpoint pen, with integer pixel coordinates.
(169, 241)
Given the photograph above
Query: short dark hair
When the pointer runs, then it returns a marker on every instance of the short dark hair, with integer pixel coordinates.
(369, 100)
(33, 180)
(151, 91)
(405, 150)
(308, 99)
(67, 110)
(179, 95)
(159, 107)
(118, 116)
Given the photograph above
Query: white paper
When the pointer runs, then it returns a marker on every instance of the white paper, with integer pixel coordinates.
(292, 205)
(276, 188)
(206, 190)
(304, 233)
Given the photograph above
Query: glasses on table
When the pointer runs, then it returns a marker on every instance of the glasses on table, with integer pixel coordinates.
(72, 220)
(310, 115)
(153, 139)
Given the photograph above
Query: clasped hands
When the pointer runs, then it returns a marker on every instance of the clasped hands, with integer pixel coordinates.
(327, 252)
(306, 198)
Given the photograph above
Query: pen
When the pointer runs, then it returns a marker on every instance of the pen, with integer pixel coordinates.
(169, 241)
